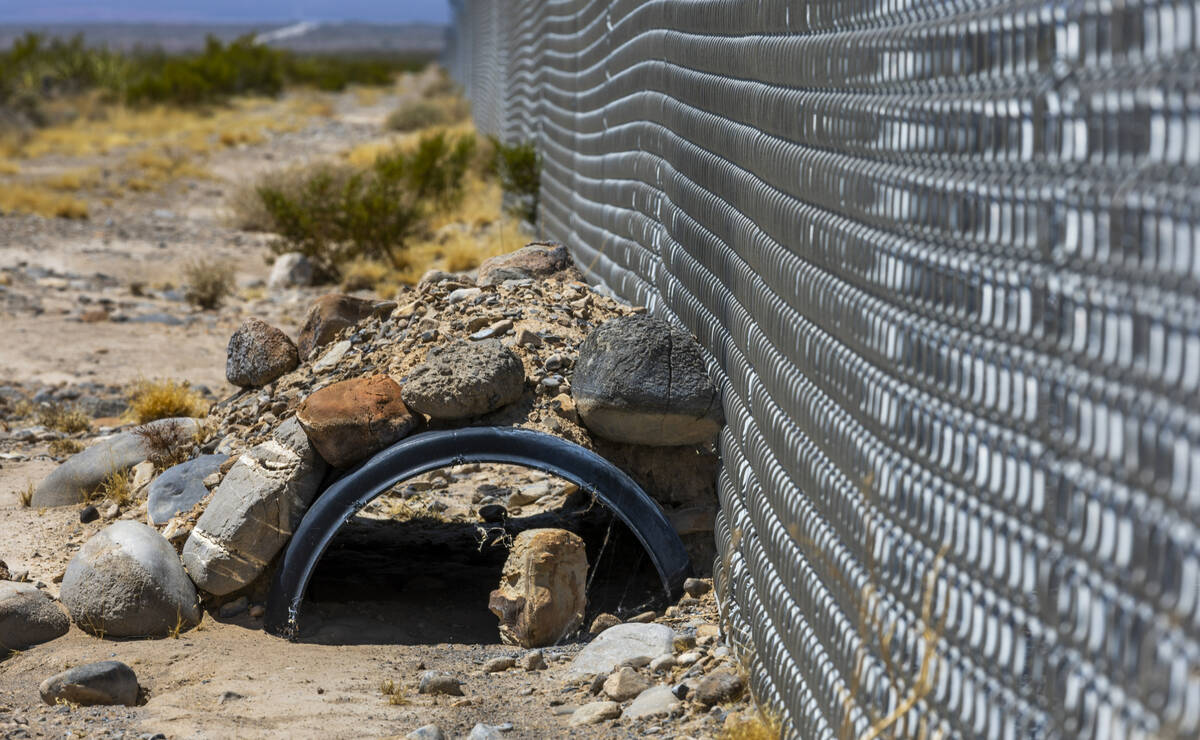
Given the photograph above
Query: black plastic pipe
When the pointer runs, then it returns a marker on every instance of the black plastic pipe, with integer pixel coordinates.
(433, 450)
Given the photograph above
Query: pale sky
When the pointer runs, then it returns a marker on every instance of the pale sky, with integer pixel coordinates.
(223, 11)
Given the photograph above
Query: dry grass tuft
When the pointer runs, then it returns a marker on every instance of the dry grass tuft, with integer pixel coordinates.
(40, 201)
(73, 180)
(169, 444)
(117, 487)
(366, 274)
(394, 692)
(65, 447)
(25, 496)
(748, 726)
(9, 168)
(207, 283)
(150, 401)
(422, 114)
(63, 417)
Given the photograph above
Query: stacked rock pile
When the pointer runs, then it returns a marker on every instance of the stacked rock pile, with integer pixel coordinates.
(524, 344)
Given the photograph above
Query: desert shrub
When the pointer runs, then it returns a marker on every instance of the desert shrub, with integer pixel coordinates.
(421, 114)
(335, 215)
(116, 487)
(65, 447)
(519, 167)
(63, 417)
(152, 400)
(365, 275)
(207, 283)
(220, 71)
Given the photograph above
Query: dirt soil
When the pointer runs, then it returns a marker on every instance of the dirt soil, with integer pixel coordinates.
(391, 599)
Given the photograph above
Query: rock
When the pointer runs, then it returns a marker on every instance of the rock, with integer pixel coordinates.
(291, 270)
(143, 473)
(662, 664)
(645, 617)
(463, 294)
(352, 420)
(531, 261)
(534, 660)
(625, 684)
(656, 701)
(28, 617)
(499, 665)
(332, 313)
(4, 573)
(487, 732)
(107, 682)
(111, 511)
(332, 356)
(254, 511)
(229, 696)
(595, 713)
(689, 658)
(621, 644)
(81, 474)
(258, 353)
(180, 487)
(696, 587)
(234, 608)
(493, 513)
(127, 581)
(721, 687)
(88, 514)
(526, 338)
(428, 732)
(460, 380)
(639, 380)
(602, 622)
(498, 329)
(436, 682)
(542, 595)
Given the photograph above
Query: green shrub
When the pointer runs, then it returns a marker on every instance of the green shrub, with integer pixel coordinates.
(519, 167)
(335, 215)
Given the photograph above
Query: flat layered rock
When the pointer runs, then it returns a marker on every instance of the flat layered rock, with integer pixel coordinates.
(254, 511)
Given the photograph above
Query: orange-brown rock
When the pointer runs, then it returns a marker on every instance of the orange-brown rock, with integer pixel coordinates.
(332, 313)
(542, 595)
(531, 261)
(347, 422)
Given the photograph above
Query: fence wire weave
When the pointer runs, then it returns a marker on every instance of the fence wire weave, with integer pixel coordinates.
(945, 258)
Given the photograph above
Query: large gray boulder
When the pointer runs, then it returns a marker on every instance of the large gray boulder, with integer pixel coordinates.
(81, 474)
(258, 353)
(180, 487)
(616, 645)
(640, 380)
(107, 682)
(254, 511)
(28, 617)
(127, 581)
(460, 380)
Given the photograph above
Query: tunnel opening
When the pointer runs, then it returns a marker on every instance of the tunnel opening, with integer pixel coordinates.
(408, 547)
(417, 565)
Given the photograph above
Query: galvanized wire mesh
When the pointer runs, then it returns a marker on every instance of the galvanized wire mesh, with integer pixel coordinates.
(945, 256)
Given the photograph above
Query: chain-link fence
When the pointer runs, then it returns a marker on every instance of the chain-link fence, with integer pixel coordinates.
(945, 257)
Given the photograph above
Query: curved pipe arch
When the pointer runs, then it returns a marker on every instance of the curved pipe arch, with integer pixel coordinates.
(433, 450)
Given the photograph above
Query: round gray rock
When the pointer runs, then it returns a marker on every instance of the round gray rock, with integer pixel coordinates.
(291, 270)
(617, 645)
(83, 473)
(28, 617)
(640, 380)
(460, 380)
(107, 682)
(127, 581)
(258, 353)
(180, 487)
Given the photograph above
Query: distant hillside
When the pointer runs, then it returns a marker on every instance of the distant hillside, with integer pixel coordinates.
(309, 38)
